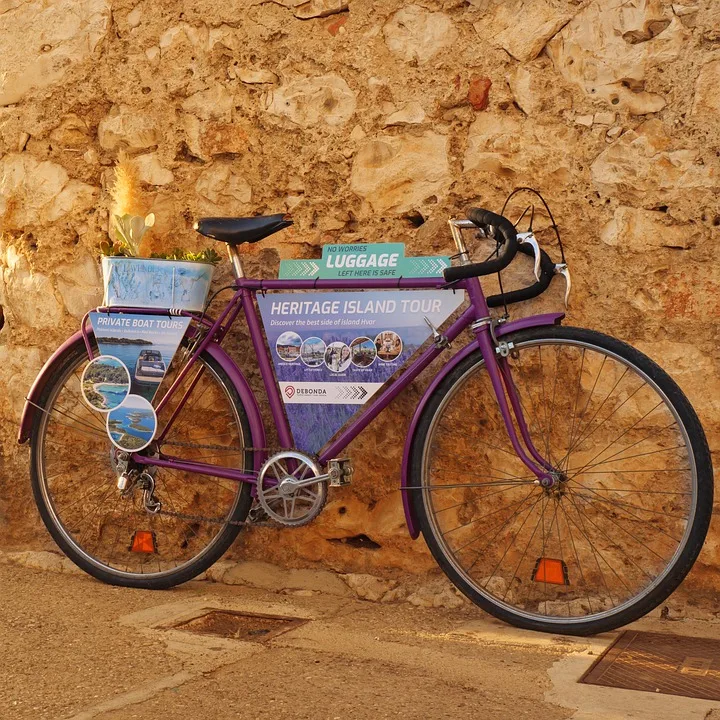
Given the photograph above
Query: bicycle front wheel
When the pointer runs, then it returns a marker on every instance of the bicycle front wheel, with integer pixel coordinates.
(109, 532)
(632, 488)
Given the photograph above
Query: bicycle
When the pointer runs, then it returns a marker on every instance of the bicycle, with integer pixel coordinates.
(561, 479)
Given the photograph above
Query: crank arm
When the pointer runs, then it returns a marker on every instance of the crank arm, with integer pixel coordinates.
(528, 238)
(326, 477)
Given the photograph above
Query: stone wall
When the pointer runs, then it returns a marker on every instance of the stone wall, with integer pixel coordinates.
(374, 121)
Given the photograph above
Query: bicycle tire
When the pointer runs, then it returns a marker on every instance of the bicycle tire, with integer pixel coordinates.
(239, 497)
(601, 618)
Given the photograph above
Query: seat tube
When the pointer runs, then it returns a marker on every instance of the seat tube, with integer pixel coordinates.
(236, 262)
(266, 371)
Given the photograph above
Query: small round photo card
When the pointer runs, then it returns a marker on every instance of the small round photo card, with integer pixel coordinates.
(105, 383)
(132, 426)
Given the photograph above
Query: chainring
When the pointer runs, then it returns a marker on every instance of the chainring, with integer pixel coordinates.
(280, 497)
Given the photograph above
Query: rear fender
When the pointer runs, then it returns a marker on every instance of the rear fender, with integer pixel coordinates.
(33, 397)
(257, 429)
(528, 322)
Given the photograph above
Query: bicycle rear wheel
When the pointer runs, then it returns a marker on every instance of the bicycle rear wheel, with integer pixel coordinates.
(627, 515)
(74, 474)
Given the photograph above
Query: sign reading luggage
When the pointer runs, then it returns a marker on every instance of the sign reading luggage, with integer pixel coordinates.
(347, 262)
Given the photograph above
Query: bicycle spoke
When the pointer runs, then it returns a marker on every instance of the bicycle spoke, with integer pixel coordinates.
(616, 508)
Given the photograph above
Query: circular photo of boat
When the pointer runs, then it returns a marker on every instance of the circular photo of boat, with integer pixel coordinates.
(105, 383)
(288, 346)
(132, 426)
(312, 352)
(388, 345)
(362, 352)
(337, 356)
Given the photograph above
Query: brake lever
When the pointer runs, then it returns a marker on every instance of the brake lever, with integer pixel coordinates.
(528, 238)
(562, 269)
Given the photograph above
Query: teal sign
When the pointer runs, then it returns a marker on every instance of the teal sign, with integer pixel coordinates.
(347, 262)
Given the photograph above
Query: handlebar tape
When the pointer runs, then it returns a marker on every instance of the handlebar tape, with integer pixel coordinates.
(547, 272)
(492, 224)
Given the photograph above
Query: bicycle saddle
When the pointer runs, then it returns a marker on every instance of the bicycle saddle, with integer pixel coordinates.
(235, 231)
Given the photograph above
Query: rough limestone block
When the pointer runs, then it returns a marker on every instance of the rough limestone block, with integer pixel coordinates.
(18, 368)
(707, 91)
(33, 192)
(399, 172)
(128, 128)
(607, 52)
(41, 40)
(522, 27)
(640, 161)
(636, 230)
(310, 101)
(27, 295)
(414, 33)
(79, 285)
(223, 189)
(368, 587)
(151, 171)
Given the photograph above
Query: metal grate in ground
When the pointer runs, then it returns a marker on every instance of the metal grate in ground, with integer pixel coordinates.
(238, 625)
(660, 663)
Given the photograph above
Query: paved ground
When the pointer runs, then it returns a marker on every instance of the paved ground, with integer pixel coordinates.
(72, 648)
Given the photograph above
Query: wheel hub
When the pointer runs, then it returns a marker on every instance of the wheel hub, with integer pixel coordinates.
(554, 483)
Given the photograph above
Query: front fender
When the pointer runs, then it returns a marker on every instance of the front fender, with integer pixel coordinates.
(257, 429)
(522, 324)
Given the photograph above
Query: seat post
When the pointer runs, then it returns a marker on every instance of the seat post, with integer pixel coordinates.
(236, 262)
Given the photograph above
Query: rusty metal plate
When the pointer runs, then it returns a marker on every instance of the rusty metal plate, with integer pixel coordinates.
(238, 625)
(660, 663)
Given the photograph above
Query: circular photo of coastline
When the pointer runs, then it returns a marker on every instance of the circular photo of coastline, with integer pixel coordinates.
(288, 346)
(312, 352)
(132, 426)
(337, 356)
(105, 383)
(388, 345)
(362, 352)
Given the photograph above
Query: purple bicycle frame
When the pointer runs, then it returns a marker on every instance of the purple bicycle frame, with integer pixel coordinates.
(476, 316)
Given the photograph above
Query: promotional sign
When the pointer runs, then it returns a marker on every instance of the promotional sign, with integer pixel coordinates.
(136, 351)
(347, 262)
(145, 344)
(334, 350)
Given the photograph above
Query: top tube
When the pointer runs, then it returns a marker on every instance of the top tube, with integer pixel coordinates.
(355, 283)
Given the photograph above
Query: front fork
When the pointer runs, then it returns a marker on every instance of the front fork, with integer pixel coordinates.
(496, 362)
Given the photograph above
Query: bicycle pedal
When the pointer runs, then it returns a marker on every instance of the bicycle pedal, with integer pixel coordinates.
(340, 472)
(257, 514)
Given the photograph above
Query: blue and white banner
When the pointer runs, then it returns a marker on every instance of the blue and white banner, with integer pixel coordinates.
(348, 262)
(145, 344)
(334, 350)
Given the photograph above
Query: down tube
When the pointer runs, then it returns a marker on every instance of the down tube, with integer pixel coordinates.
(387, 396)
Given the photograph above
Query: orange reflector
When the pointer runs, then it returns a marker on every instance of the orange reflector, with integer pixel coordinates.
(143, 541)
(552, 571)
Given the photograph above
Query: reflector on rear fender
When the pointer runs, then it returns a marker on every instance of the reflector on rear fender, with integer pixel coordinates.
(550, 570)
(143, 541)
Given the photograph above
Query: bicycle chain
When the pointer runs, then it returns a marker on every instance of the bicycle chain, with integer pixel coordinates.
(217, 521)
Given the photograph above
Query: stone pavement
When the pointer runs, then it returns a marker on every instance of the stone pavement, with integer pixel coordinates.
(75, 649)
